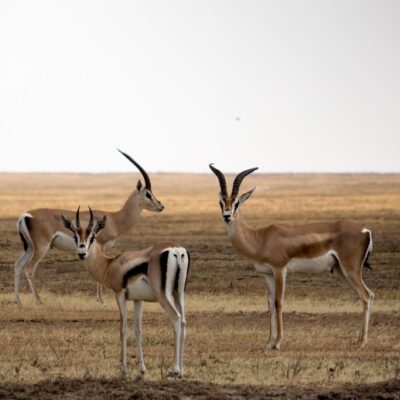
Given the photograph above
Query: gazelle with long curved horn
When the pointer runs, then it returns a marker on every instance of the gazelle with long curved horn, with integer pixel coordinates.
(312, 248)
(157, 273)
(41, 230)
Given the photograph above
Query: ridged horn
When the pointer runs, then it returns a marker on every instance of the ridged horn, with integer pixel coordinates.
(221, 178)
(238, 181)
(77, 219)
(137, 165)
(91, 220)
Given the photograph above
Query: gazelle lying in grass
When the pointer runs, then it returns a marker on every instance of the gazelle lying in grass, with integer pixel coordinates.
(312, 248)
(157, 273)
(42, 229)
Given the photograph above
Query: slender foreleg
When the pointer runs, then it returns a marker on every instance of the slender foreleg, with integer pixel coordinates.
(121, 300)
(270, 280)
(99, 294)
(280, 281)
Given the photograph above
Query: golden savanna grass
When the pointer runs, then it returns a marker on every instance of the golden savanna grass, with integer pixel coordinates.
(72, 338)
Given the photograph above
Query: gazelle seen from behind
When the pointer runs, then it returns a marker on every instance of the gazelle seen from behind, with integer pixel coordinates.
(42, 229)
(312, 248)
(155, 274)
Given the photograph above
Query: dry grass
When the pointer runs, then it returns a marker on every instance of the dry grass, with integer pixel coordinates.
(73, 338)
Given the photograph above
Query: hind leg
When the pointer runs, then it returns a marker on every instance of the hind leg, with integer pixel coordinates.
(354, 278)
(30, 270)
(19, 267)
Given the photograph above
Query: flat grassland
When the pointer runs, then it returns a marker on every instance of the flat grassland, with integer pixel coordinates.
(69, 347)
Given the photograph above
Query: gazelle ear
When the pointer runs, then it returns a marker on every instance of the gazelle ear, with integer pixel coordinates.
(139, 185)
(68, 223)
(246, 195)
(101, 223)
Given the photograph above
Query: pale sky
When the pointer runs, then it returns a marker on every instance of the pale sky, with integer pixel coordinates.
(282, 85)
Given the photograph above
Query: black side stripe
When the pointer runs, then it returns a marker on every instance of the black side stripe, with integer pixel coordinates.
(136, 270)
(164, 267)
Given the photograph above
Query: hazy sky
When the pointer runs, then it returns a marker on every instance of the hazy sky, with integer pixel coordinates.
(282, 85)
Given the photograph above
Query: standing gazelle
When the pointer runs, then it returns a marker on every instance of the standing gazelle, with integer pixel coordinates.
(157, 273)
(277, 248)
(42, 229)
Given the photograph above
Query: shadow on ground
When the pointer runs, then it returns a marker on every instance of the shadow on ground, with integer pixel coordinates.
(185, 390)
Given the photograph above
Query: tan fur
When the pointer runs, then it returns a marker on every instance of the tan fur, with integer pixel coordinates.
(46, 223)
(276, 247)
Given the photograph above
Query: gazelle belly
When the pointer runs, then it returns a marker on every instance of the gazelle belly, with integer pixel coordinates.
(314, 265)
(140, 289)
(64, 242)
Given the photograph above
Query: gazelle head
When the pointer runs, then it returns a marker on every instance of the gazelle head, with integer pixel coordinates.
(148, 200)
(230, 204)
(84, 238)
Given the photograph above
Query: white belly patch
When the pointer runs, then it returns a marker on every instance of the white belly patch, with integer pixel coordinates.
(263, 268)
(314, 265)
(140, 289)
(64, 242)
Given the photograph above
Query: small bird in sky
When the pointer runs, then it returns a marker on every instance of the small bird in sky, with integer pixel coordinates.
(237, 118)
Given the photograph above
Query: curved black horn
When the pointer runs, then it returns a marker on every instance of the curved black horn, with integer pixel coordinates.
(221, 178)
(77, 219)
(238, 181)
(91, 220)
(144, 173)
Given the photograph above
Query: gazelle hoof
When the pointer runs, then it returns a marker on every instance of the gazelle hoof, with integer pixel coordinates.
(270, 345)
(139, 377)
(174, 375)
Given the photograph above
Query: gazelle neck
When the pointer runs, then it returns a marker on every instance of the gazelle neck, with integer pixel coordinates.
(97, 263)
(129, 214)
(243, 237)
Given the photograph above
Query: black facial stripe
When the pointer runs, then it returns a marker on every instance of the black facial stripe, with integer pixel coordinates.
(91, 240)
(221, 205)
(76, 239)
(136, 270)
(148, 195)
(236, 206)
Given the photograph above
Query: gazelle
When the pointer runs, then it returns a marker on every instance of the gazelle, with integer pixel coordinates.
(157, 273)
(42, 229)
(276, 249)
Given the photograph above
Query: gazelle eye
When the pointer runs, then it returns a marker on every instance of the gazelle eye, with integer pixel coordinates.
(148, 195)
(221, 205)
(236, 206)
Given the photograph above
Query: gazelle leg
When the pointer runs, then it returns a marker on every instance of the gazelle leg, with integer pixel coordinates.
(366, 296)
(180, 305)
(138, 307)
(99, 294)
(30, 270)
(280, 281)
(176, 319)
(19, 267)
(270, 280)
(121, 300)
